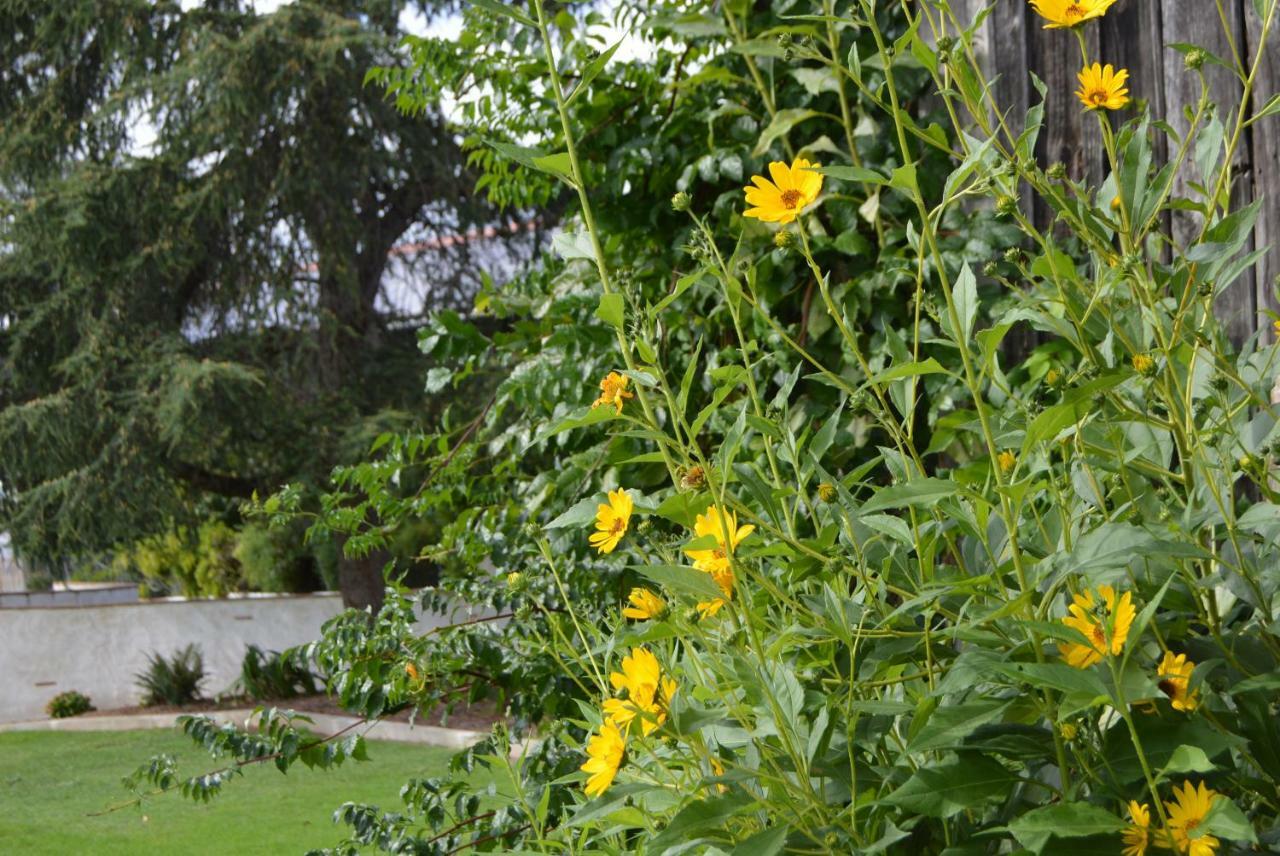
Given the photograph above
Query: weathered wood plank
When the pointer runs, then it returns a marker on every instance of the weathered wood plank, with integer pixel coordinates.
(1199, 24)
(1264, 140)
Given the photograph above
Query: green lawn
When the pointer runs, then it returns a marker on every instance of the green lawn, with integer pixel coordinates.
(51, 782)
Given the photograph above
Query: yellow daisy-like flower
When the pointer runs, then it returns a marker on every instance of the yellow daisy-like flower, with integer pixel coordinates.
(781, 200)
(1063, 14)
(1102, 87)
(1007, 460)
(604, 756)
(611, 521)
(644, 605)
(1137, 835)
(647, 692)
(613, 390)
(724, 528)
(1085, 618)
(1186, 813)
(1175, 679)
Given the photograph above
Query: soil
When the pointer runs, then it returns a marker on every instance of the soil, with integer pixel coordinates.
(477, 717)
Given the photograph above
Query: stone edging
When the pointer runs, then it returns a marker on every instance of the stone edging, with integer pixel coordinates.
(325, 723)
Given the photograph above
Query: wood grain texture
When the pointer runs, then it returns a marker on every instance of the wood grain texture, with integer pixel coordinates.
(1135, 34)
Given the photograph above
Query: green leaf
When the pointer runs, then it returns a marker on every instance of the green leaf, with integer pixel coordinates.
(580, 513)
(506, 10)
(965, 294)
(768, 842)
(929, 366)
(611, 310)
(926, 491)
(680, 579)
(1069, 820)
(948, 726)
(783, 121)
(948, 789)
(1227, 821)
(573, 245)
(578, 419)
(904, 179)
(699, 818)
(860, 174)
(1187, 759)
(592, 71)
(559, 164)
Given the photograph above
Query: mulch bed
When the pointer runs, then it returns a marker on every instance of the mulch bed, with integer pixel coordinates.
(478, 717)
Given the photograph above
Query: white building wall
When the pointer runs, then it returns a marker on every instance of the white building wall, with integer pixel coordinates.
(98, 650)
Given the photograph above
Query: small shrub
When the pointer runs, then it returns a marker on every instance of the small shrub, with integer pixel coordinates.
(275, 675)
(175, 680)
(70, 703)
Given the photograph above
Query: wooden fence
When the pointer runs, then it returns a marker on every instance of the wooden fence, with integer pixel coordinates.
(1135, 34)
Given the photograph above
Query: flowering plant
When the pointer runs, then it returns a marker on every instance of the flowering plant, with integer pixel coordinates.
(816, 573)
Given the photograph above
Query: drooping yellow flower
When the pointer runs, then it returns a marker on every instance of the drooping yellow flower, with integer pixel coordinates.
(647, 692)
(604, 756)
(1106, 631)
(1175, 679)
(1062, 14)
(613, 390)
(644, 605)
(1186, 813)
(723, 527)
(1137, 835)
(781, 200)
(611, 521)
(1102, 87)
(1007, 460)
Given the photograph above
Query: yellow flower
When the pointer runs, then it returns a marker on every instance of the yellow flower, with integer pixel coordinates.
(1103, 639)
(781, 200)
(1275, 325)
(644, 605)
(1102, 87)
(1186, 814)
(611, 521)
(604, 757)
(613, 390)
(1007, 461)
(723, 527)
(1069, 730)
(514, 578)
(412, 671)
(1136, 836)
(1144, 365)
(718, 770)
(647, 692)
(1175, 677)
(1063, 14)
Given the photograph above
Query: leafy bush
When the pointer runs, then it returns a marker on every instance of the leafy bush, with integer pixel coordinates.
(275, 675)
(69, 703)
(173, 680)
(828, 566)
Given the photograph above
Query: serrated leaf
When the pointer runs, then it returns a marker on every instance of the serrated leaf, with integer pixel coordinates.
(1069, 820)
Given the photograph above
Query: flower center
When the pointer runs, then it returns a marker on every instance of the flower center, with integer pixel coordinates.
(619, 525)
(791, 198)
(1074, 11)
(1099, 636)
(1098, 97)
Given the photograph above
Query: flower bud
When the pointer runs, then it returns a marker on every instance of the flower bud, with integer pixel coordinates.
(1006, 206)
(1007, 460)
(990, 269)
(1057, 171)
(681, 201)
(1015, 256)
(783, 239)
(693, 478)
(1195, 59)
(1144, 365)
(827, 492)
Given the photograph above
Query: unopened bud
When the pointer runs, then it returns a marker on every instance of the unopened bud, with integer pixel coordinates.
(681, 201)
(1195, 59)
(783, 239)
(827, 492)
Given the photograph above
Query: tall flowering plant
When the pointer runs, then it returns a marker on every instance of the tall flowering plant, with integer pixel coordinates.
(834, 568)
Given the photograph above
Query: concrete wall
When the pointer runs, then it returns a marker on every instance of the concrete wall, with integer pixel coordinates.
(61, 596)
(98, 649)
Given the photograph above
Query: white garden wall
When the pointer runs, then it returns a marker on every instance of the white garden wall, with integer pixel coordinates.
(99, 649)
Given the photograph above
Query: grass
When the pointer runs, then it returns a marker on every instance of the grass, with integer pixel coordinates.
(50, 784)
